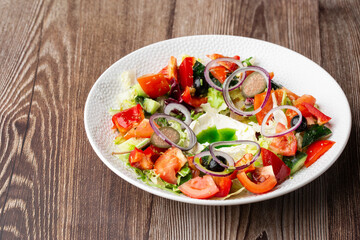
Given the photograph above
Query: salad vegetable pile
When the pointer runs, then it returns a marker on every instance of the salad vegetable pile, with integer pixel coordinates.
(215, 130)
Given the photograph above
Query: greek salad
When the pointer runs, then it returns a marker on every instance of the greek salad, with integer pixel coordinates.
(215, 128)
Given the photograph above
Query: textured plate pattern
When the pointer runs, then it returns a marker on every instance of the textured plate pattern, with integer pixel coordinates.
(291, 69)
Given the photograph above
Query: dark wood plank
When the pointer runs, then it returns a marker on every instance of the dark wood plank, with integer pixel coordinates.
(60, 188)
(19, 39)
(340, 49)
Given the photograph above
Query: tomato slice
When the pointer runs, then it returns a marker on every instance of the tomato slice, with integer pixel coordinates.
(169, 163)
(186, 75)
(321, 117)
(219, 72)
(224, 185)
(171, 70)
(200, 187)
(128, 118)
(285, 145)
(154, 152)
(268, 180)
(192, 101)
(289, 115)
(259, 99)
(154, 85)
(316, 150)
(143, 130)
(228, 65)
(140, 160)
(281, 171)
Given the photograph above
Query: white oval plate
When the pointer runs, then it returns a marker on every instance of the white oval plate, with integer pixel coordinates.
(294, 71)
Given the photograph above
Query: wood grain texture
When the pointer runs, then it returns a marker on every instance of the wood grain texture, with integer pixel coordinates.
(52, 184)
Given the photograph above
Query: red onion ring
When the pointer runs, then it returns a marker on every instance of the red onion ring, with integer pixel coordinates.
(199, 166)
(190, 133)
(226, 89)
(238, 142)
(262, 131)
(171, 106)
(211, 63)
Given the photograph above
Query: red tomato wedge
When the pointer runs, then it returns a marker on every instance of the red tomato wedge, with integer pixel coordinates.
(285, 145)
(200, 187)
(316, 150)
(154, 85)
(224, 185)
(321, 118)
(186, 77)
(128, 118)
(268, 180)
(171, 70)
(281, 171)
(140, 160)
(219, 72)
(228, 65)
(154, 152)
(169, 163)
(143, 130)
(259, 99)
(192, 101)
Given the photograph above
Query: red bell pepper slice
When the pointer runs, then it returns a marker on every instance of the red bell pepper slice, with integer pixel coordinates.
(316, 150)
(128, 118)
(281, 171)
(219, 72)
(171, 70)
(192, 101)
(228, 65)
(186, 77)
(321, 117)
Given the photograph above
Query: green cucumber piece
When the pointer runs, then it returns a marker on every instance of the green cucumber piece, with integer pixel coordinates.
(131, 143)
(314, 133)
(139, 91)
(151, 106)
(295, 163)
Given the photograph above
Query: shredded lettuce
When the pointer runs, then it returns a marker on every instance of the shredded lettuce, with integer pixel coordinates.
(215, 98)
(126, 99)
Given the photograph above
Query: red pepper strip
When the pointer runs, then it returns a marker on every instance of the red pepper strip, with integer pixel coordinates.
(192, 101)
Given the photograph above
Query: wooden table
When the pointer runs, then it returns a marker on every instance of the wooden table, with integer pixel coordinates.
(53, 185)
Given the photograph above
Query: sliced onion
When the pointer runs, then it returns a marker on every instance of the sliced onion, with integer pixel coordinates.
(226, 89)
(213, 152)
(176, 106)
(191, 135)
(213, 62)
(203, 169)
(263, 124)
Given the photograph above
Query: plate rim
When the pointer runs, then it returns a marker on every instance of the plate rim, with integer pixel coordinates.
(227, 202)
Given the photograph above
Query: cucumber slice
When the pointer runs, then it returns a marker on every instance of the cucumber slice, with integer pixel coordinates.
(139, 91)
(131, 143)
(151, 106)
(170, 132)
(253, 84)
(295, 163)
(314, 133)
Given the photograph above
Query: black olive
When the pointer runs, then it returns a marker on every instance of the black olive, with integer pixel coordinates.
(303, 125)
(214, 166)
(201, 86)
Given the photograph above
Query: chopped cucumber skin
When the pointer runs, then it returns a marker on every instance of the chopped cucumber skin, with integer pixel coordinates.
(131, 143)
(151, 106)
(295, 163)
(314, 133)
(139, 91)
